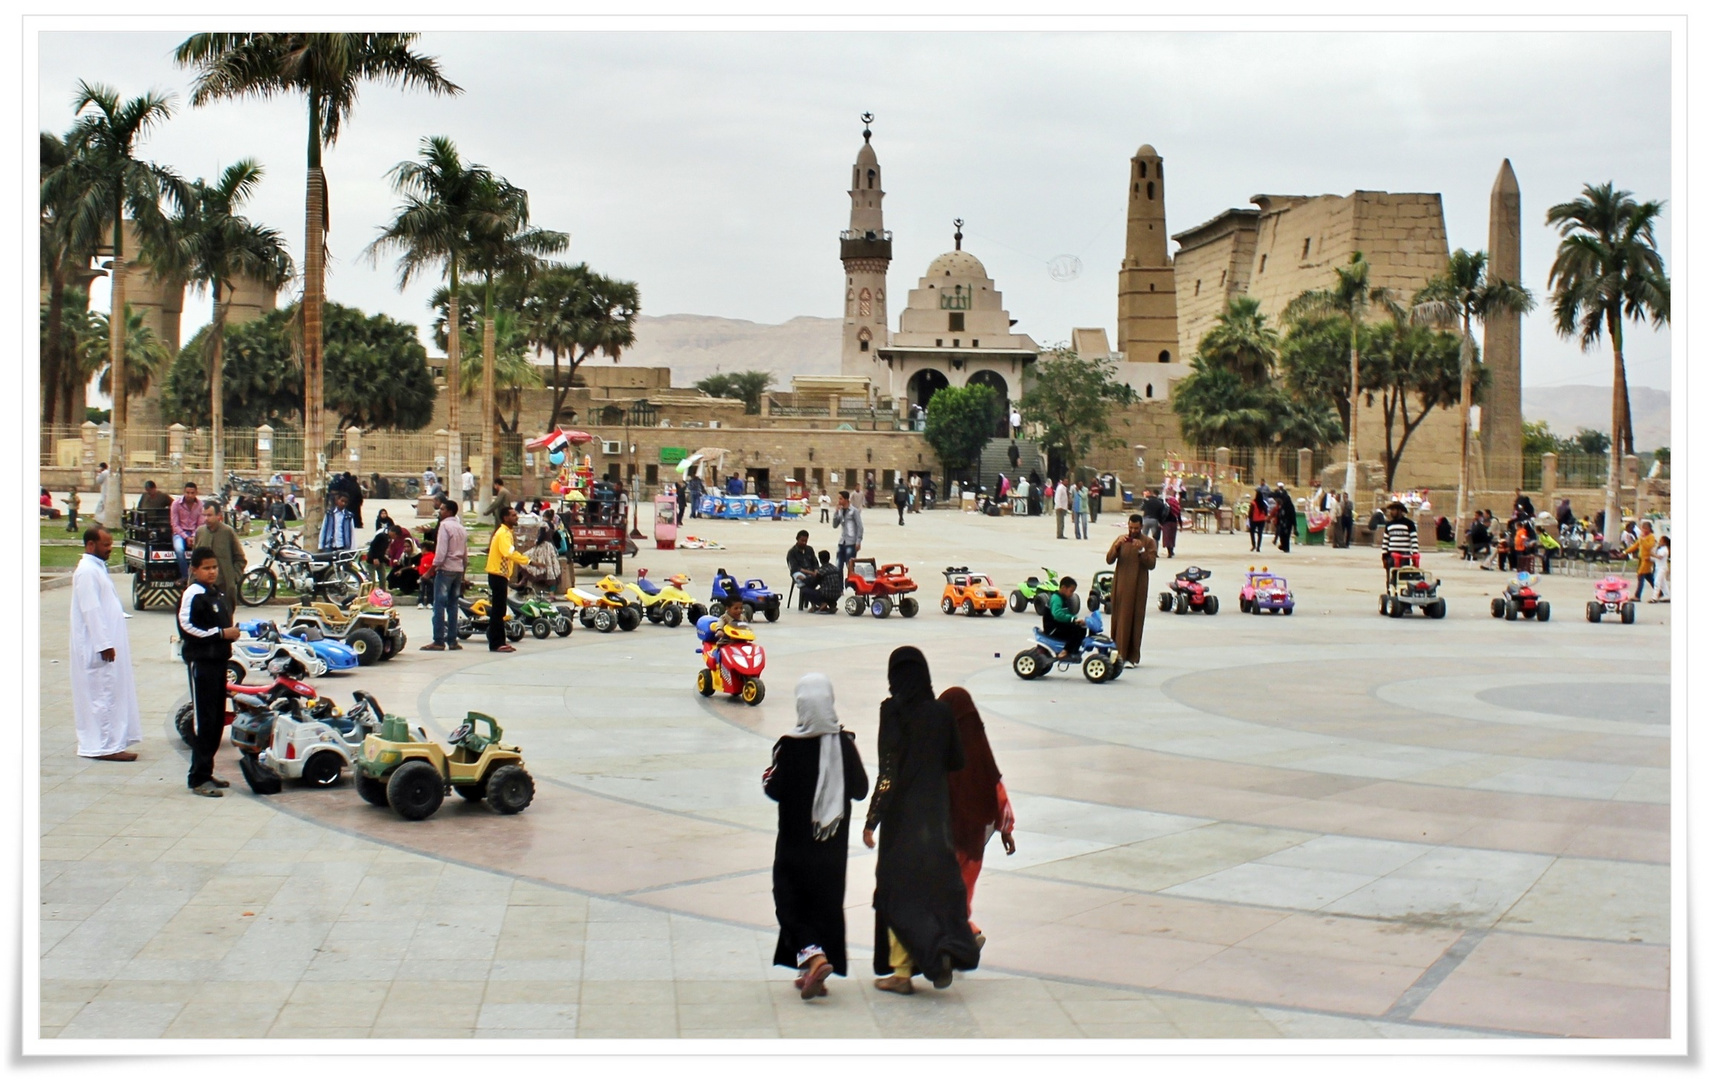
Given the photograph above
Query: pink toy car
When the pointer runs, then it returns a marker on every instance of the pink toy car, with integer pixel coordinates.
(1264, 592)
(1611, 597)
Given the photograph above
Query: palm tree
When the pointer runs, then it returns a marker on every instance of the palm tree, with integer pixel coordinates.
(572, 312)
(1350, 296)
(512, 371)
(114, 181)
(1241, 342)
(1460, 296)
(216, 246)
(147, 357)
(328, 70)
(440, 220)
(65, 256)
(1608, 269)
(512, 250)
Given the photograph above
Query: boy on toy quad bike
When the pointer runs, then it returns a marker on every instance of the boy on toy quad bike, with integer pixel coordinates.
(1402, 545)
(1062, 622)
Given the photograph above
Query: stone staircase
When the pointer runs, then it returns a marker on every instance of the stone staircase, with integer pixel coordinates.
(995, 459)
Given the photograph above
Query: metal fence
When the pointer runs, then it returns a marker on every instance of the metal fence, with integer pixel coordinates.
(1574, 470)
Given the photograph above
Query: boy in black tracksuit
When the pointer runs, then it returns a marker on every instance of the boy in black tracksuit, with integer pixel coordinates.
(205, 625)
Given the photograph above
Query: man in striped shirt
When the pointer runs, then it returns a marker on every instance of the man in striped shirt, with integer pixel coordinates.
(1401, 546)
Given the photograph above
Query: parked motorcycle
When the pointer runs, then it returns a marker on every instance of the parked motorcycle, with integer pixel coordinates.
(334, 576)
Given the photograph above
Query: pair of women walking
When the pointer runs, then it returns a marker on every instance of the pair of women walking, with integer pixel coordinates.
(937, 802)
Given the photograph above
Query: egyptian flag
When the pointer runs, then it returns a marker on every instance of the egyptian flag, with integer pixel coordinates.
(559, 442)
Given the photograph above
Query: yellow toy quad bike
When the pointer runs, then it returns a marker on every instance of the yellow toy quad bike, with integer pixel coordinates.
(666, 603)
(473, 619)
(411, 772)
(606, 607)
(372, 632)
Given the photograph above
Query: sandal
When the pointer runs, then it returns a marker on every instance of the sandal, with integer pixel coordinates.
(895, 984)
(813, 983)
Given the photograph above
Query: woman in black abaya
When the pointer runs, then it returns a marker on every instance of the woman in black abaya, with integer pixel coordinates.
(921, 908)
(815, 774)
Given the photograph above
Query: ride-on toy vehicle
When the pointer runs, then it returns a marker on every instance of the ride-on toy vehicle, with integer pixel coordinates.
(337, 655)
(314, 750)
(1097, 656)
(1407, 587)
(264, 652)
(752, 594)
(411, 772)
(1264, 592)
(473, 616)
(970, 594)
(1611, 597)
(1035, 591)
(372, 632)
(1100, 592)
(258, 696)
(605, 607)
(1189, 593)
(873, 587)
(732, 666)
(1521, 601)
(540, 614)
(669, 602)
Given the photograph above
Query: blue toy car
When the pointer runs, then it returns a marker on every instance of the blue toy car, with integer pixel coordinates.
(1098, 654)
(337, 655)
(752, 593)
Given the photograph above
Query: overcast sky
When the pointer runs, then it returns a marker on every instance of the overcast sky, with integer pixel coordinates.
(711, 168)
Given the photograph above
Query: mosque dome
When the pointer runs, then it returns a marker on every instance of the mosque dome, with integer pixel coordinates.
(958, 264)
(1146, 151)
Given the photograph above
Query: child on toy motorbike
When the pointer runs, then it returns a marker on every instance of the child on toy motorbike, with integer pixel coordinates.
(1062, 623)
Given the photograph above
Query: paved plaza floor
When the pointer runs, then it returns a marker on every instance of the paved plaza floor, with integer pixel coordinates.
(1331, 825)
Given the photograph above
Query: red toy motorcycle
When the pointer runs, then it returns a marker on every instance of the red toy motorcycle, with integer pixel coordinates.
(1611, 597)
(282, 687)
(1187, 593)
(732, 666)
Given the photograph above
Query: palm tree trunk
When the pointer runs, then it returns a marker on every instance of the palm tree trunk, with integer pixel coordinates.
(1628, 416)
(116, 359)
(490, 407)
(558, 394)
(1613, 526)
(314, 438)
(53, 358)
(1354, 401)
(216, 392)
(454, 379)
(1466, 404)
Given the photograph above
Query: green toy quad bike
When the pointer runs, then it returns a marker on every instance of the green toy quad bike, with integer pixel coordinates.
(411, 772)
(1035, 591)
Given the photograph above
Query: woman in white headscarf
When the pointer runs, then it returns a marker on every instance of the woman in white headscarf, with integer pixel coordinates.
(815, 774)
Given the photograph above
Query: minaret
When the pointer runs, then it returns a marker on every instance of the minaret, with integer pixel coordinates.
(1501, 409)
(866, 249)
(1147, 290)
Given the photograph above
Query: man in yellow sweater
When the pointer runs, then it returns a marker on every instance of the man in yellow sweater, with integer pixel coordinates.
(502, 558)
(1644, 546)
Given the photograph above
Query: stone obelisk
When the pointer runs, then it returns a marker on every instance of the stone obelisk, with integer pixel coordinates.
(1501, 407)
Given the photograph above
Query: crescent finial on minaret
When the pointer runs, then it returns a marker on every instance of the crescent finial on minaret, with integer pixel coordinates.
(867, 120)
(958, 235)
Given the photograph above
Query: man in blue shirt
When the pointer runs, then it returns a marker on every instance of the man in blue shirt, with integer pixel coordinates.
(337, 530)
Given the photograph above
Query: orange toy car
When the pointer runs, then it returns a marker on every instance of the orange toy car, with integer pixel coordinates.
(970, 594)
(873, 587)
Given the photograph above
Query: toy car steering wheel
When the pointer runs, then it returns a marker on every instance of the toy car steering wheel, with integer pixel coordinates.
(461, 732)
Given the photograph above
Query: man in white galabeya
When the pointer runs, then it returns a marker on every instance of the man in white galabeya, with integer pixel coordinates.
(103, 690)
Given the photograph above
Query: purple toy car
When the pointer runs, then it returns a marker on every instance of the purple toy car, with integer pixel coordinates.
(1264, 591)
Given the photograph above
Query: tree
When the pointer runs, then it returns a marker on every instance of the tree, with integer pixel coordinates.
(114, 181)
(1240, 342)
(512, 370)
(327, 69)
(1608, 269)
(572, 312)
(1216, 407)
(1408, 363)
(1589, 441)
(68, 243)
(1459, 296)
(745, 386)
(1350, 297)
(1070, 400)
(441, 219)
(1537, 438)
(146, 356)
(215, 246)
(960, 423)
(262, 380)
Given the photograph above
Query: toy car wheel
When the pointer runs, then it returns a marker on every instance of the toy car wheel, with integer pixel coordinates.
(472, 792)
(322, 768)
(948, 606)
(1029, 664)
(1211, 607)
(1041, 604)
(1117, 666)
(695, 613)
(1398, 608)
(628, 619)
(1511, 611)
(1628, 613)
(881, 607)
(514, 630)
(908, 607)
(235, 671)
(753, 691)
(1436, 609)
(1291, 610)
(415, 790)
(257, 587)
(1019, 602)
(1166, 601)
(1593, 611)
(366, 644)
(772, 610)
(562, 625)
(968, 607)
(1245, 604)
(716, 609)
(673, 616)
(586, 617)
(1182, 606)
(1497, 607)
(853, 605)
(510, 789)
(604, 621)
(185, 722)
(1542, 611)
(704, 682)
(997, 612)
(466, 628)
(1384, 605)
(373, 791)
(1096, 668)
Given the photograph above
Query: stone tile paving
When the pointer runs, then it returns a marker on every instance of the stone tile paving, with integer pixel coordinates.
(1334, 826)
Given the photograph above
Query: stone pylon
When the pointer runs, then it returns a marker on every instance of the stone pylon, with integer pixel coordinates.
(1501, 410)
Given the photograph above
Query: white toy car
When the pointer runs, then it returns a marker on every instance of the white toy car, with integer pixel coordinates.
(318, 751)
(264, 652)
